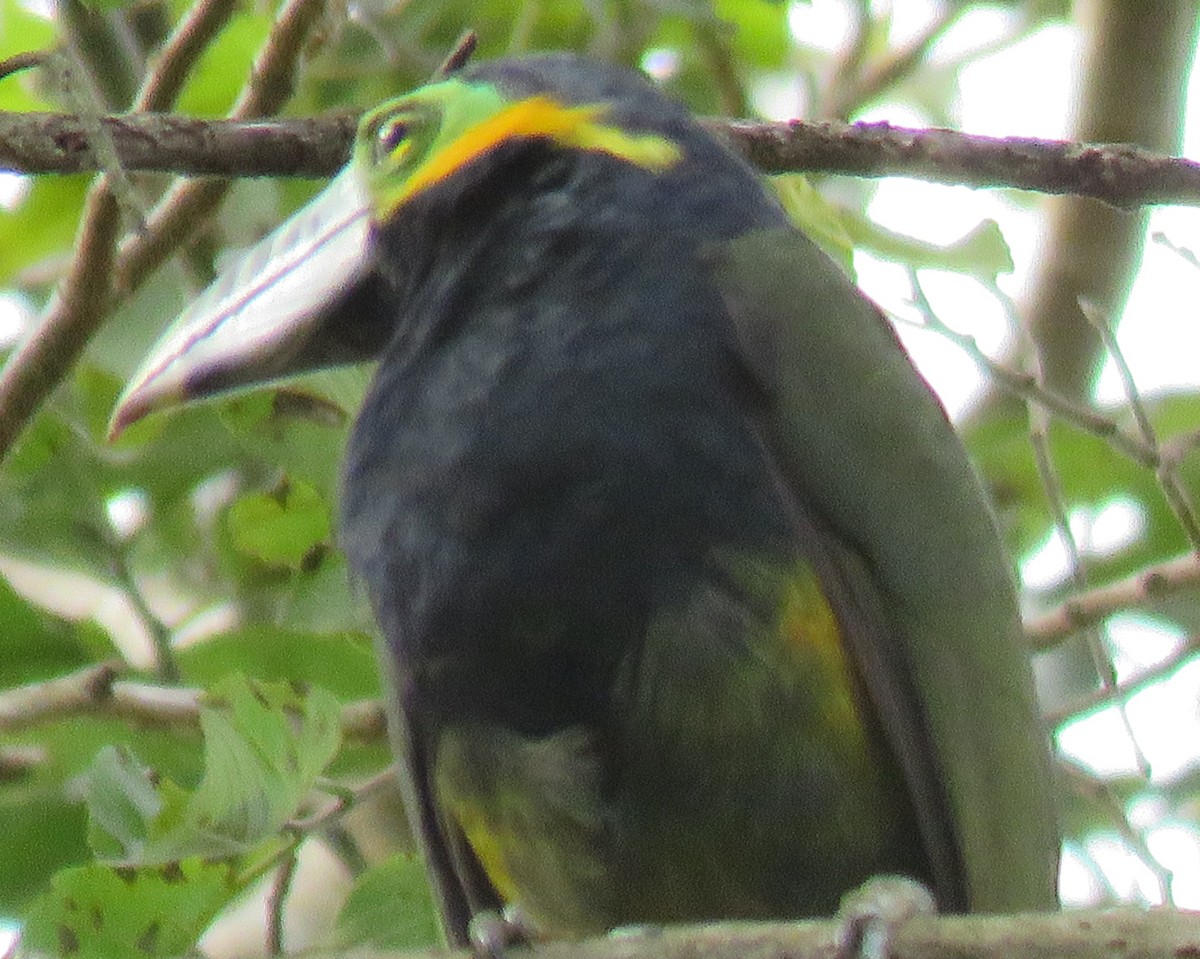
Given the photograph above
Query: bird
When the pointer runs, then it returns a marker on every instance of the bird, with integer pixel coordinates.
(691, 604)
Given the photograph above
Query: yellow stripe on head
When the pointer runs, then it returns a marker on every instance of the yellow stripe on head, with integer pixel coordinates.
(408, 145)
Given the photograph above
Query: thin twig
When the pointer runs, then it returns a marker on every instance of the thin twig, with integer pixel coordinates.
(834, 100)
(1182, 252)
(891, 69)
(1025, 386)
(460, 55)
(1091, 606)
(23, 61)
(1172, 488)
(1101, 793)
(721, 68)
(281, 884)
(166, 665)
(1119, 693)
(80, 89)
(344, 799)
(1039, 411)
(1039, 441)
(179, 54)
(102, 46)
(190, 202)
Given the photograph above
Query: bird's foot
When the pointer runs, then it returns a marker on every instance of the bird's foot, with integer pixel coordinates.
(492, 933)
(871, 914)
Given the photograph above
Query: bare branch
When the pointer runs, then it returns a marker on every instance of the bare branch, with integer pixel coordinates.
(55, 698)
(1172, 486)
(1121, 175)
(81, 304)
(1090, 607)
(174, 62)
(1025, 385)
(1086, 934)
(1119, 693)
(1124, 176)
(165, 143)
(87, 292)
(97, 691)
(188, 203)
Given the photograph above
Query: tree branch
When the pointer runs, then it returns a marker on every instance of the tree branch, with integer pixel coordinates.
(99, 691)
(1092, 934)
(1119, 693)
(99, 273)
(163, 143)
(1086, 609)
(188, 203)
(1124, 176)
(39, 364)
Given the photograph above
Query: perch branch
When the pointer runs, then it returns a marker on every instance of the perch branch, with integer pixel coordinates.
(1124, 176)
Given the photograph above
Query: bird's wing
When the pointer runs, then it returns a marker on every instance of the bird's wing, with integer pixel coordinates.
(459, 887)
(863, 441)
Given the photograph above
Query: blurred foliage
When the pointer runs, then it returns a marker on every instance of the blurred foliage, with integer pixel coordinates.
(217, 524)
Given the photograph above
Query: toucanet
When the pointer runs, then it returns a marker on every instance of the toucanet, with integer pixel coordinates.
(691, 604)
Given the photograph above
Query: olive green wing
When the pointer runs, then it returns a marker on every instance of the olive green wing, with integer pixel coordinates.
(459, 887)
(866, 445)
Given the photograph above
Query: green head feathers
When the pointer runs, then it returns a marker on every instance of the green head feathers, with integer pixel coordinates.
(412, 143)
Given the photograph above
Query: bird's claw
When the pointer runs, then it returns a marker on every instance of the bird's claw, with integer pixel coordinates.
(871, 914)
(492, 933)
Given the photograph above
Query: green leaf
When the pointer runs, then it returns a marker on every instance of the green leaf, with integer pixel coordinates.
(265, 744)
(44, 823)
(1092, 474)
(33, 643)
(281, 528)
(815, 216)
(122, 801)
(301, 428)
(214, 84)
(44, 831)
(760, 31)
(101, 912)
(51, 500)
(343, 662)
(389, 907)
(45, 221)
(982, 253)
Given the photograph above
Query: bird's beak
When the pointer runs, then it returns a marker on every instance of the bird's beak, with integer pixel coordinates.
(267, 313)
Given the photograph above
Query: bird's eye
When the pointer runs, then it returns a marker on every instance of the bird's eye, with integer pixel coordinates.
(391, 136)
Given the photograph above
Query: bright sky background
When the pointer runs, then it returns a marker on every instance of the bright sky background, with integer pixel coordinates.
(1024, 90)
